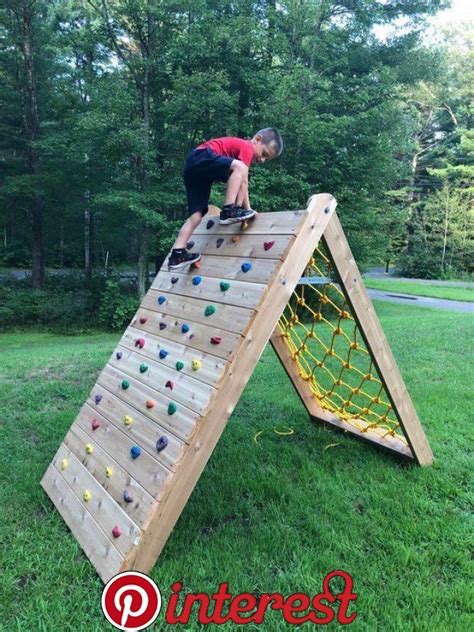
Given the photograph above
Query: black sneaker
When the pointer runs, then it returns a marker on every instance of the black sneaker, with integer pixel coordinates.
(234, 213)
(182, 259)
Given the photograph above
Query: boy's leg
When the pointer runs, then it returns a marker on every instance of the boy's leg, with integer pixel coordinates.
(187, 230)
(235, 183)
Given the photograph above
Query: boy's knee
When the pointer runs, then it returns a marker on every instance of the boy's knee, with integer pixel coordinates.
(239, 167)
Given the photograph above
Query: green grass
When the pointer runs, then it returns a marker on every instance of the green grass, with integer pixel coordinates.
(421, 289)
(276, 515)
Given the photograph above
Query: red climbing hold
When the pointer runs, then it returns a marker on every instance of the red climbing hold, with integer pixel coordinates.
(268, 244)
(143, 320)
(140, 342)
(216, 340)
(116, 532)
(169, 384)
(95, 424)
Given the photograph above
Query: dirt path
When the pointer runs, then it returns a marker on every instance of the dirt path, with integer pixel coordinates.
(421, 301)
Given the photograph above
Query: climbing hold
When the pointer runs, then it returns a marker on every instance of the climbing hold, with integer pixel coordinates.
(161, 299)
(118, 355)
(127, 498)
(197, 280)
(174, 280)
(64, 464)
(87, 495)
(210, 309)
(127, 420)
(162, 325)
(143, 320)
(95, 424)
(172, 408)
(235, 238)
(245, 267)
(219, 242)
(169, 384)
(143, 368)
(161, 443)
(140, 342)
(216, 340)
(89, 448)
(116, 532)
(135, 451)
(163, 353)
(179, 365)
(196, 365)
(268, 244)
(98, 399)
(108, 472)
(210, 224)
(150, 403)
(125, 384)
(189, 245)
(224, 286)
(185, 328)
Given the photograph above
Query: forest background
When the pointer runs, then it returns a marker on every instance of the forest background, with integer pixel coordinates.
(101, 100)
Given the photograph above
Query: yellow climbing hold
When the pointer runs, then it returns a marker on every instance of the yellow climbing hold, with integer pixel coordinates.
(87, 495)
(108, 472)
(64, 464)
(127, 420)
(89, 448)
(196, 365)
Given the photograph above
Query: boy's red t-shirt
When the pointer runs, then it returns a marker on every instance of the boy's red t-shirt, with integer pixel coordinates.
(231, 146)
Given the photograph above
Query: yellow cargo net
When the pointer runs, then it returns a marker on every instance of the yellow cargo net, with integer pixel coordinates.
(325, 342)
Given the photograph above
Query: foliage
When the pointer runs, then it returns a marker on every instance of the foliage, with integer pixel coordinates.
(116, 309)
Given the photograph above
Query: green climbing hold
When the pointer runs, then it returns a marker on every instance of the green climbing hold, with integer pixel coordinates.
(224, 286)
(210, 309)
(179, 365)
(125, 384)
(143, 368)
(172, 408)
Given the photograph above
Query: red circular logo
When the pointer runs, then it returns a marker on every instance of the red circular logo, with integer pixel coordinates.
(131, 601)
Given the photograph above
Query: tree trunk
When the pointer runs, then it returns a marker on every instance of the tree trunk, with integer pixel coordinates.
(87, 237)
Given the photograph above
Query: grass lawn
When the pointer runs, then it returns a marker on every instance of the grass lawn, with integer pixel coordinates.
(272, 516)
(421, 289)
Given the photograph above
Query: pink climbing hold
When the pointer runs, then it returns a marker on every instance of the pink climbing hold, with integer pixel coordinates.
(268, 244)
(216, 340)
(169, 384)
(116, 532)
(143, 320)
(140, 342)
(95, 424)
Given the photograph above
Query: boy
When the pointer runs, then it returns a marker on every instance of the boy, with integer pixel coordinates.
(226, 159)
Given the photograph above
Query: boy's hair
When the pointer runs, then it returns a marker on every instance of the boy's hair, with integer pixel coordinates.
(270, 136)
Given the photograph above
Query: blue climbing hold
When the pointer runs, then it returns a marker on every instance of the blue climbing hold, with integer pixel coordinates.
(185, 328)
(135, 452)
(98, 399)
(197, 280)
(163, 353)
(246, 267)
(161, 299)
(161, 443)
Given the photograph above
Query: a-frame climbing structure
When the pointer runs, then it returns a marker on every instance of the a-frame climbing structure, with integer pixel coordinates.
(131, 459)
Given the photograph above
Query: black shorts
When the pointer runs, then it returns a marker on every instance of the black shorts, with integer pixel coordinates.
(201, 169)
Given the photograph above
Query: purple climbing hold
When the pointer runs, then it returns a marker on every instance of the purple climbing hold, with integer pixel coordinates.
(127, 498)
(174, 280)
(161, 299)
(245, 267)
(197, 280)
(118, 355)
(189, 245)
(185, 328)
(161, 443)
(162, 325)
(210, 224)
(219, 242)
(98, 399)
(163, 353)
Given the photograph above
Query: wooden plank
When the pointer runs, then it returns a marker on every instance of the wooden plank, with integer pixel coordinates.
(247, 246)
(281, 222)
(96, 545)
(101, 506)
(212, 367)
(240, 293)
(375, 340)
(116, 481)
(181, 423)
(190, 310)
(320, 209)
(229, 268)
(393, 444)
(186, 390)
(199, 338)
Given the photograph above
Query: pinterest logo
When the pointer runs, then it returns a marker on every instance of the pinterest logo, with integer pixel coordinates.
(131, 601)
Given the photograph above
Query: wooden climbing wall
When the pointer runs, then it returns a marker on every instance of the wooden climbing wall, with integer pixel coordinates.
(132, 457)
